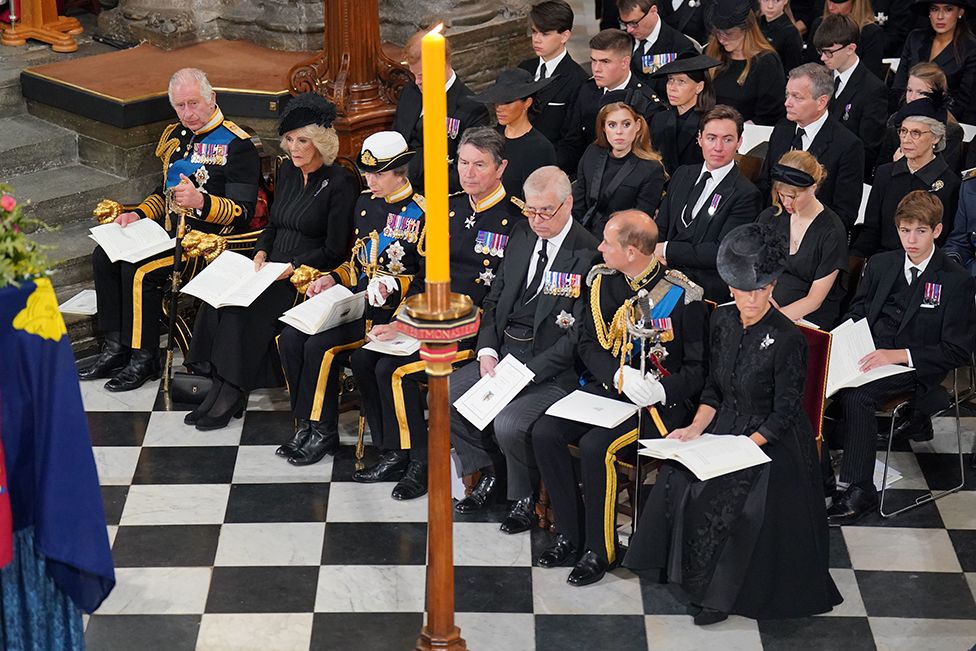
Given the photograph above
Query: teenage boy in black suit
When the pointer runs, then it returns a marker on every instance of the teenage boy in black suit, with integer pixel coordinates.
(705, 202)
(860, 99)
(551, 23)
(919, 305)
(655, 42)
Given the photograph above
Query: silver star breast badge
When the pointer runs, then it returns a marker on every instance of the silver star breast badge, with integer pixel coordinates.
(469, 222)
(487, 276)
(565, 320)
(766, 342)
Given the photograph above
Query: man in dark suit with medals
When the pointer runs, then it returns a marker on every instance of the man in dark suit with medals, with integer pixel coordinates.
(212, 168)
(612, 81)
(656, 43)
(860, 99)
(480, 219)
(461, 112)
(675, 375)
(919, 305)
(809, 126)
(529, 314)
(705, 202)
(551, 23)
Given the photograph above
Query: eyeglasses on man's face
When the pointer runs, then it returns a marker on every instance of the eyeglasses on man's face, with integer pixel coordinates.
(542, 213)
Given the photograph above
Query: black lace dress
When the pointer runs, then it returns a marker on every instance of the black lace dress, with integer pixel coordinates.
(753, 542)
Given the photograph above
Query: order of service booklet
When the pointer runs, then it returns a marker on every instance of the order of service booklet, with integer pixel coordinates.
(230, 280)
(133, 243)
(328, 309)
(709, 455)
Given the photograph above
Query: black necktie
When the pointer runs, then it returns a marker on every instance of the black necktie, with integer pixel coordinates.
(640, 47)
(688, 215)
(797, 143)
(836, 85)
(540, 266)
(914, 271)
(541, 72)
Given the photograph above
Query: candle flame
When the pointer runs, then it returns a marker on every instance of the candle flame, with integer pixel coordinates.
(438, 29)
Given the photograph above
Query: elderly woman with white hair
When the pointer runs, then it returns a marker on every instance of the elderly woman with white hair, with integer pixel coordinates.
(922, 134)
(310, 224)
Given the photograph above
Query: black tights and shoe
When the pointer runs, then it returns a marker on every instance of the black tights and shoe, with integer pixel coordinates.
(222, 402)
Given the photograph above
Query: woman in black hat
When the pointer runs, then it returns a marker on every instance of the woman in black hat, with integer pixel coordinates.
(922, 135)
(526, 148)
(871, 43)
(310, 224)
(674, 132)
(751, 77)
(809, 287)
(752, 542)
(948, 42)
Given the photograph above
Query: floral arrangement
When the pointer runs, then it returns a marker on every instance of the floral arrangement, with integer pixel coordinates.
(21, 258)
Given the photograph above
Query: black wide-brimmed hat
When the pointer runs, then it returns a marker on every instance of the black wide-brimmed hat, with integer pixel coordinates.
(685, 63)
(512, 85)
(751, 256)
(791, 176)
(922, 6)
(306, 109)
(931, 105)
(384, 150)
(726, 14)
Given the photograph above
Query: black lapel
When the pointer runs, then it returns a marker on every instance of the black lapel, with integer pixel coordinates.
(885, 283)
(821, 144)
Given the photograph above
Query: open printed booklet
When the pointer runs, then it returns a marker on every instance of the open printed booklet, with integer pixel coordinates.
(708, 456)
(328, 309)
(849, 343)
(133, 243)
(401, 345)
(589, 408)
(230, 280)
(492, 393)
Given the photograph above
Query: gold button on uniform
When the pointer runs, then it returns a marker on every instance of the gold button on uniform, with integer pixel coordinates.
(362, 214)
(487, 262)
(504, 222)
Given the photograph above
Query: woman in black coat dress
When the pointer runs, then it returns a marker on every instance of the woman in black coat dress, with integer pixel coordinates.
(619, 171)
(777, 26)
(751, 542)
(310, 224)
(948, 42)
(674, 132)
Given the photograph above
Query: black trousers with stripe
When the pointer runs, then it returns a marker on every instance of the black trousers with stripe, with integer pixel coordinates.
(392, 399)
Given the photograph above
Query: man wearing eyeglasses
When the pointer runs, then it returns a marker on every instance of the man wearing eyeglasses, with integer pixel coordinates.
(809, 126)
(530, 313)
(860, 100)
(655, 43)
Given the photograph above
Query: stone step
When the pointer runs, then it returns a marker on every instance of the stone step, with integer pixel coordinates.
(81, 328)
(66, 194)
(69, 253)
(28, 144)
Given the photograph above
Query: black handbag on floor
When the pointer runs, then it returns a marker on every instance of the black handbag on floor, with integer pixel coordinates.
(189, 388)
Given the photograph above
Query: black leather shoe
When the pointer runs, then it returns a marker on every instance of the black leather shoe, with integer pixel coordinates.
(301, 435)
(561, 553)
(414, 482)
(708, 616)
(588, 569)
(916, 428)
(391, 465)
(319, 442)
(851, 505)
(210, 421)
(480, 495)
(521, 517)
(143, 366)
(111, 360)
(208, 402)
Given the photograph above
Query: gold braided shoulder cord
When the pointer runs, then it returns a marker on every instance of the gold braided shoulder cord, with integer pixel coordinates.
(164, 151)
(613, 334)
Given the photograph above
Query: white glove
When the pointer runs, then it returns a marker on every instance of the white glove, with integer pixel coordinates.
(643, 391)
(373, 294)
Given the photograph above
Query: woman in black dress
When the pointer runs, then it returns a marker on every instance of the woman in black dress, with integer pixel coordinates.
(948, 42)
(776, 24)
(310, 224)
(922, 131)
(809, 288)
(619, 171)
(870, 46)
(674, 132)
(752, 542)
(751, 78)
(526, 148)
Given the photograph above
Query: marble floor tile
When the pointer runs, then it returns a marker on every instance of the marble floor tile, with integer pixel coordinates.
(816, 634)
(366, 631)
(892, 634)
(513, 631)
(255, 632)
(267, 427)
(481, 543)
(493, 589)
(281, 589)
(167, 429)
(154, 632)
(278, 503)
(158, 591)
(944, 441)
(906, 464)
(618, 593)
(270, 544)
(898, 549)
(258, 464)
(371, 588)
(679, 633)
(971, 580)
(186, 465)
(375, 543)
(853, 605)
(183, 545)
(113, 499)
(176, 504)
(111, 530)
(590, 632)
(117, 427)
(96, 398)
(916, 595)
(351, 502)
(116, 465)
(269, 400)
(958, 510)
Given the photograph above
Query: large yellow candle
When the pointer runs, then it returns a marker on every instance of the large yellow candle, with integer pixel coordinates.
(435, 155)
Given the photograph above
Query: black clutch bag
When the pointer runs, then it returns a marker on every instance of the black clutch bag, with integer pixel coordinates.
(188, 388)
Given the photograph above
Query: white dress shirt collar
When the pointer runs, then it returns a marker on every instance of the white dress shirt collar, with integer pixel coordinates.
(652, 37)
(552, 63)
(845, 76)
(920, 266)
(622, 85)
(811, 130)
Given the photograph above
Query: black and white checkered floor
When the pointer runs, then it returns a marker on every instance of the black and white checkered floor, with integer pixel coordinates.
(219, 544)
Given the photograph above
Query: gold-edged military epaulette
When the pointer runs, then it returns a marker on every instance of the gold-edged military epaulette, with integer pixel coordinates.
(518, 202)
(693, 292)
(420, 201)
(598, 270)
(236, 130)
(454, 194)
(969, 174)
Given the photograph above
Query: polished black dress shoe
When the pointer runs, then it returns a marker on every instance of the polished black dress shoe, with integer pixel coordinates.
(916, 428)
(143, 366)
(301, 434)
(211, 421)
(561, 553)
(319, 442)
(391, 465)
(480, 494)
(111, 360)
(693, 609)
(414, 482)
(851, 505)
(588, 569)
(708, 616)
(521, 517)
